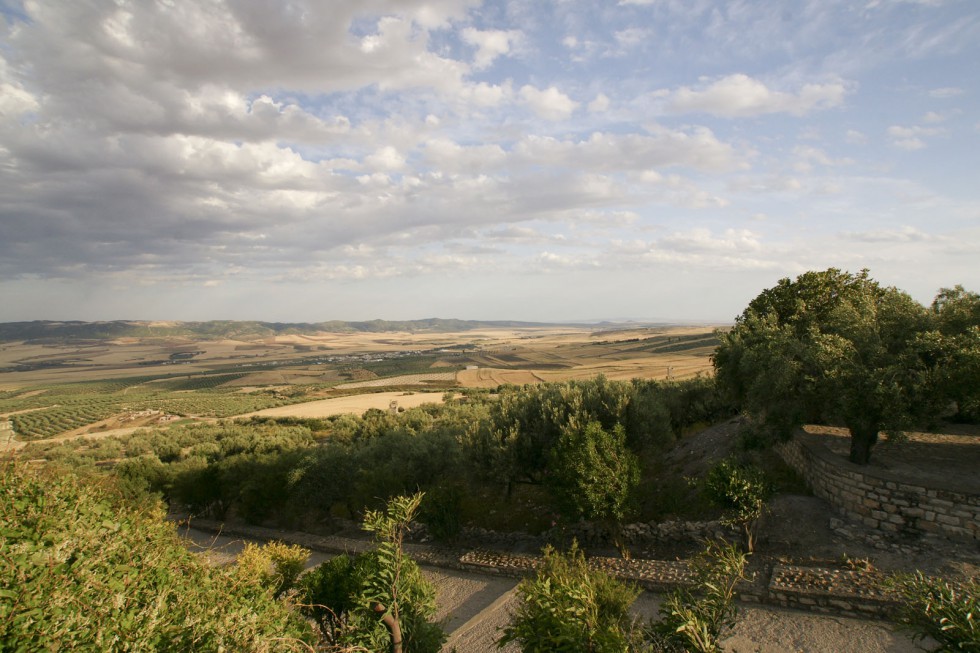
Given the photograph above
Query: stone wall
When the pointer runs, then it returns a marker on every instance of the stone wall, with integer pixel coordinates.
(881, 500)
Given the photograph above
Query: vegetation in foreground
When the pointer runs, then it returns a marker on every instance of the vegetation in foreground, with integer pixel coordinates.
(82, 569)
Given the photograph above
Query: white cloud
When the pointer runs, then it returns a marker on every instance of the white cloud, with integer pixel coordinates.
(386, 159)
(631, 36)
(808, 156)
(905, 234)
(599, 104)
(911, 138)
(490, 44)
(946, 92)
(855, 137)
(550, 104)
(742, 96)
(696, 148)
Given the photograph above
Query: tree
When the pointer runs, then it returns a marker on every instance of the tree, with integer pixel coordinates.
(956, 345)
(830, 346)
(592, 476)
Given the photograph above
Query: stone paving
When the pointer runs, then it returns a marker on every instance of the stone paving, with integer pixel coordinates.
(849, 592)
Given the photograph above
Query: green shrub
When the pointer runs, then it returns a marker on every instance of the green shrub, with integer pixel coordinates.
(341, 595)
(273, 566)
(742, 490)
(441, 512)
(694, 620)
(568, 608)
(944, 610)
(82, 571)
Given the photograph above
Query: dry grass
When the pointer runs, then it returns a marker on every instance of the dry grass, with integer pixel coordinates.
(509, 355)
(355, 404)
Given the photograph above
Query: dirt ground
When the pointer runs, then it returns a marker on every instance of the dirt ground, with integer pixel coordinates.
(806, 529)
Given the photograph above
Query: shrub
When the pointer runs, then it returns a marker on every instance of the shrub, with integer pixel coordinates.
(441, 512)
(568, 608)
(946, 611)
(694, 620)
(342, 594)
(274, 566)
(82, 571)
(742, 490)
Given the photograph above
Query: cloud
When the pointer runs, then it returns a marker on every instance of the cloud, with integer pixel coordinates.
(905, 234)
(808, 156)
(696, 148)
(740, 96)
(599, 104)
(911, 138)
(490, 44)
(946, 92)
(550, 104)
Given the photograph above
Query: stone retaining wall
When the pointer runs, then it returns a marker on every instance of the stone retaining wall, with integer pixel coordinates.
(879, 500)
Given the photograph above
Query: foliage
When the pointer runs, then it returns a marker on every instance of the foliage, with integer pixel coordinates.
(274, 565)
(956, 346)
(835, 347)
(593, 474)
(81, 570)
(342, 595)
(568, 608)
(441, 512)
(742, 490)
(695, 620)
(944, 610)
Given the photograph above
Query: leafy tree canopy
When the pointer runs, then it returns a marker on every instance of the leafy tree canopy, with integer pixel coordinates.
(838, 347)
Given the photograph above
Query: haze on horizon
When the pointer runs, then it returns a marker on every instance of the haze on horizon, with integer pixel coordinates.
(541, 161)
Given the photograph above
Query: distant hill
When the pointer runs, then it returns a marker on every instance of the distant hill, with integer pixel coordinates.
(244, 330)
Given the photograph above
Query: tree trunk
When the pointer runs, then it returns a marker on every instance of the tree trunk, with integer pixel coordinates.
(862, 440)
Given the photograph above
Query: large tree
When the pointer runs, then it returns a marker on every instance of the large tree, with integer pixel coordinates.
(833, 347)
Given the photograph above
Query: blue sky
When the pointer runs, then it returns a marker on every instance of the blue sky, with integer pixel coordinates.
(537, 160)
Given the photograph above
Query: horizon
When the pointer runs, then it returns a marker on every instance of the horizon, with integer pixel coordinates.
(543, 161)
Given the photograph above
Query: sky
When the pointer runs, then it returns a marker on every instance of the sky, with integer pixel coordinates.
(541, 160)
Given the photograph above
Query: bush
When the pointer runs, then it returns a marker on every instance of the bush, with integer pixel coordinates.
(694, 620)
(342, 594)
(946, 611)
(568, 608)
(82, 571)
(273, 566)
(441, 512)
(742, 490)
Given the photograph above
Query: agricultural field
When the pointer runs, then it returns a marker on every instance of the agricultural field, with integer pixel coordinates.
(73, 386)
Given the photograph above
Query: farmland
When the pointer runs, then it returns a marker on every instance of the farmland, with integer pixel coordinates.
(55, 386)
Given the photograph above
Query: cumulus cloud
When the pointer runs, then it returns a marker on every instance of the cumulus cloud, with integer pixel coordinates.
(695, 148)
(740, 96)
(490, 44)
(599, 104)
(550, 103)
(911, 138)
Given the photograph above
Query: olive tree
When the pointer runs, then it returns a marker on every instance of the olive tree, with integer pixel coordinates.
(835, 347)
